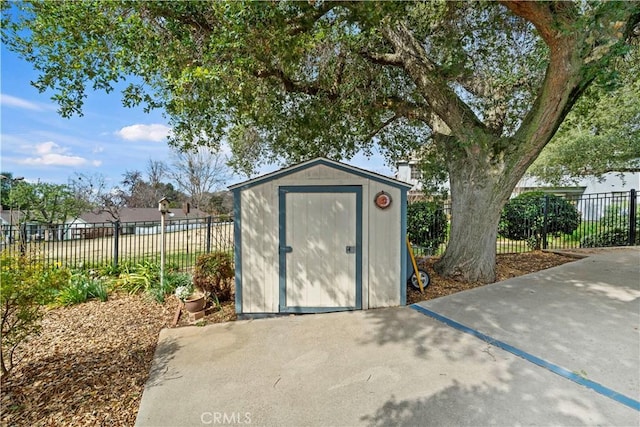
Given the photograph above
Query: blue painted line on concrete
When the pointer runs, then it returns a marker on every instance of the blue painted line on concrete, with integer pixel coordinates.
(598, 388)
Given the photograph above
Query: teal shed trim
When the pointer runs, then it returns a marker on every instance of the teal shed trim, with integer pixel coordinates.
(237, 190)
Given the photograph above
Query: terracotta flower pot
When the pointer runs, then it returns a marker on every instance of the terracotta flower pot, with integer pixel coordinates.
(194, 303)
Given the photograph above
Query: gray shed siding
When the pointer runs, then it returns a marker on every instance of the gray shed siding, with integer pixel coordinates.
(383, 274)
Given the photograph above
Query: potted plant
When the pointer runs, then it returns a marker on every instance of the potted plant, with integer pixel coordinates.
(193, 301)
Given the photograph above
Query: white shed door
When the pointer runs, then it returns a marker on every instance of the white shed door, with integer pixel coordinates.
(321, 251)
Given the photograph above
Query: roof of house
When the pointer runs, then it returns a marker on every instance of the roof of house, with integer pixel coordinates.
(140, 215)
(5, 216)
(320, 161)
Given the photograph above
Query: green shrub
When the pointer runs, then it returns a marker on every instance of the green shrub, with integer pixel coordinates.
(616, 215)
(74, 293)
(145, 278)
(426, 225)
(523, 217)
(157, 292)
(213, 274)
(98, 289)
(139, 278)
(611, 237)
(172, 279)
(26, 286)
(82, 286)
(176, 279)
(110, 269)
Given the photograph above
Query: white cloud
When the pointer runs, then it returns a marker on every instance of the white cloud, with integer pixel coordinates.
(51, 154)
(12, 101)
(154, 132)
(53, 159)
(49, 147)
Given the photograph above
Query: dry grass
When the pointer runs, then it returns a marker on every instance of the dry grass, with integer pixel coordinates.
(131, 246)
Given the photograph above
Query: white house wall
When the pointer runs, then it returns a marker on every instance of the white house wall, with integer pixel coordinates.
(609, 183)
(612, 182)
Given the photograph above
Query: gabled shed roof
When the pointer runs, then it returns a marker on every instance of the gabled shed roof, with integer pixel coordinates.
(320, 161)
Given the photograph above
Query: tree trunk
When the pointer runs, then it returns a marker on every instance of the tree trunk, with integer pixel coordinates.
(478, 196)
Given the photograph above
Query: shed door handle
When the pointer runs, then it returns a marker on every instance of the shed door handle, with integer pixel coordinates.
(351, 249)
(286, 249)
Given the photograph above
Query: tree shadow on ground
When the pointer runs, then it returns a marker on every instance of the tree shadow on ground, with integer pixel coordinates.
(527, 398)
(403, 325)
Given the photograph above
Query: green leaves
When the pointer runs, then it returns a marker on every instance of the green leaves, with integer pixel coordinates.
(528, 215)
(44, 202)
(426, 225)
(602, 133)
(489, 82)
(27, 285)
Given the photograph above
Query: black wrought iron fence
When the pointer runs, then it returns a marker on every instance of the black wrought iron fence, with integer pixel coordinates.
(601, 220)
(605, 219)
(95, 244)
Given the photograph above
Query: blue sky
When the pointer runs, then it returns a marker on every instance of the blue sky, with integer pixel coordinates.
(38, 144)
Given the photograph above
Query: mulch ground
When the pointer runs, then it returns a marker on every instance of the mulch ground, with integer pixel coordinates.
(508, 266)
(91, 361)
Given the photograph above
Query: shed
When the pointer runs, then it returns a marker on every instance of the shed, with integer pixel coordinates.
(320, 236)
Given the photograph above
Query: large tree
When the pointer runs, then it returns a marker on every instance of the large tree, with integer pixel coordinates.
(198, 172)
(97, 195)
(484, 86)
(7, 181)
(138, 193)
(601, 134)
(47, 204)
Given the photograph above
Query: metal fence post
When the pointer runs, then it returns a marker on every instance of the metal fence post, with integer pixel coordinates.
(633, 209)
(208, 248)
(545, 221)
(116, 242)
(22, 238)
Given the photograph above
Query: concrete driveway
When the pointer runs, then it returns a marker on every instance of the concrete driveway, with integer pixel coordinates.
(558, 347)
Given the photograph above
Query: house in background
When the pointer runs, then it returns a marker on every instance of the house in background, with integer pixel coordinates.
(409, 172)
(140, 221)
(613, 182)
(592, 196)
(10, 220)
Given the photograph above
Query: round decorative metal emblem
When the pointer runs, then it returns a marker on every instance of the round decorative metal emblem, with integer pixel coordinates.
(382, 200)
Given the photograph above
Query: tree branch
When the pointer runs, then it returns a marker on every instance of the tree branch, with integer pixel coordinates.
(382, 58)
(539, 14)
(382, 126)
(338, 80)
(570, 71)
(305, 21)
(293, 86)
(441, 98)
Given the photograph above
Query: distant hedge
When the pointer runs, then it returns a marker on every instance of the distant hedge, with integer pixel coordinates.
(615, 228)
(426, 225)
(523, 217)
(611, 237)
